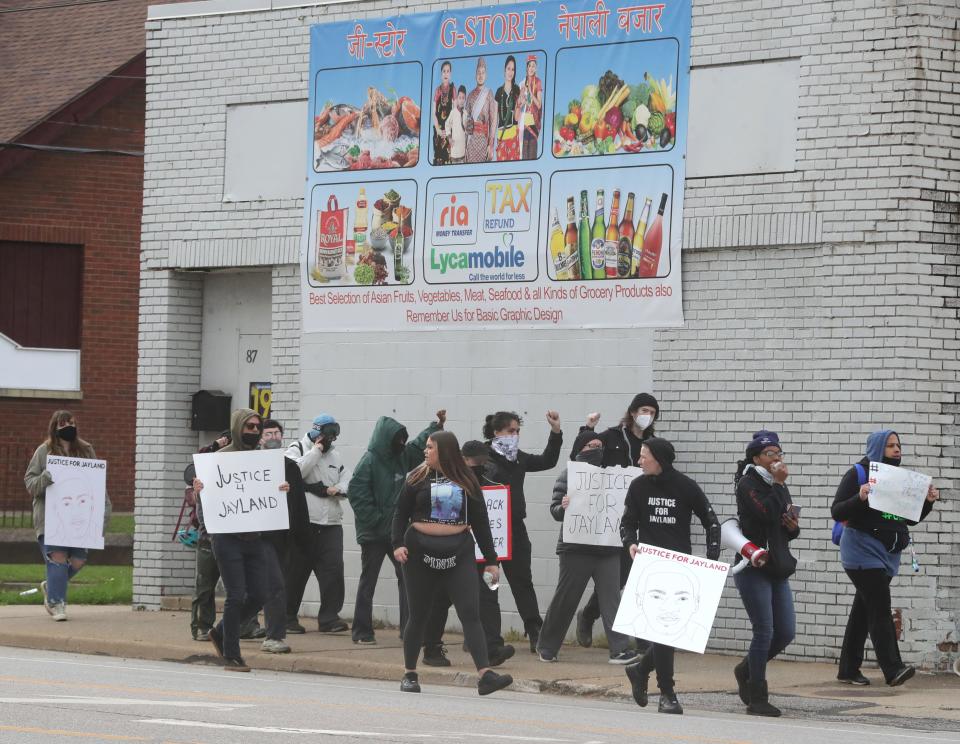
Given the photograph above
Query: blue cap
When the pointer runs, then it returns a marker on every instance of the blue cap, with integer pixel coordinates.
(318, 423)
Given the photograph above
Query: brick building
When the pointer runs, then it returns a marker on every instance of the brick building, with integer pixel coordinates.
(71, 176)
(820, 282)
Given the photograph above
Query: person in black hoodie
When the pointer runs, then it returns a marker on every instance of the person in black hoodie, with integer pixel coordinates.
(870, 553)
(509, 464)
(658, 510)
(769, 520)
(621, 446)
(578, 564)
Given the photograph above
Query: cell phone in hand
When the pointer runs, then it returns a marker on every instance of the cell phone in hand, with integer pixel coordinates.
(794, 511)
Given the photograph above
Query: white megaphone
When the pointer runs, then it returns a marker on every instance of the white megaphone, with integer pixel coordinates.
(731, 537)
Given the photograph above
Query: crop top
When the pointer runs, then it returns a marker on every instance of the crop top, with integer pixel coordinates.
(437, 500)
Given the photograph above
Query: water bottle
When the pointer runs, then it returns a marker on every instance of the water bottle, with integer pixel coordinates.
(913, 560)
(488, 580)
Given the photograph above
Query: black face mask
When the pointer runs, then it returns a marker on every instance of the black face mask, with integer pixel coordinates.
(326, 444)
(250, 439)
(591, 457)
(477, 471)
(67, 433)
(399, 442)
(895, 461)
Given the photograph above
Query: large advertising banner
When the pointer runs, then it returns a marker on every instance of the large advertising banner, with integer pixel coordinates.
(514, 167)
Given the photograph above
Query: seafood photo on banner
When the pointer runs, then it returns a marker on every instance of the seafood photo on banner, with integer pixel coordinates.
(364, 126)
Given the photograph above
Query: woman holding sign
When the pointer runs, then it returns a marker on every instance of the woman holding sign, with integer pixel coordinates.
(658, 510)
(768, 518)
(438, 506)
(870, 553)
(62, 561)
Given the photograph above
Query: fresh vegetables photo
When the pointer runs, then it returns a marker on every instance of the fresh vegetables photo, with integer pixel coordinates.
(616, 117)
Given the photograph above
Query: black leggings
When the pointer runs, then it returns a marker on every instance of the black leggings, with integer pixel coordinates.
(424, 582)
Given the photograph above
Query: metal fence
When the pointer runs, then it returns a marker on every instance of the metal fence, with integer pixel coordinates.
(15, 502)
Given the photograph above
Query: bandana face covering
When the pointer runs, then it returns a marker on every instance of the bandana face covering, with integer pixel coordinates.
(507, 446)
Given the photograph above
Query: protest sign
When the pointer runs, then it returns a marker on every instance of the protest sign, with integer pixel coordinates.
(241, 491)
(596, 503)
(897, 491)
(498, 510)
(671, 598)
(520, 166)
(75, 503)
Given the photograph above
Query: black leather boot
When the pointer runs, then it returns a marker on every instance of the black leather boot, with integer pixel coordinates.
(669, 704)
(759, 701)
(742, 672)
(639, 679)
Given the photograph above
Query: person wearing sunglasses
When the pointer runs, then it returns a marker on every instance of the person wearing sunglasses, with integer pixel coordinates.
(768, 518)
(325, 482)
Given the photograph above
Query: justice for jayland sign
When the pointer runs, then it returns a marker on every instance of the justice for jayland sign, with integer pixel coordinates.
(520, 166)
(241, 491)
(596, 496)
(671, 598)
(74, 504)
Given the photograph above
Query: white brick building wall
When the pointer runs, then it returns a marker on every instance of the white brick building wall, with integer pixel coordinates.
(820, 302)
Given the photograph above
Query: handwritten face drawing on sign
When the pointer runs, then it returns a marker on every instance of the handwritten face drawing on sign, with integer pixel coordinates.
(596, 503)
(898, 491)
(671, 598)
(241, 491)
(75, 503)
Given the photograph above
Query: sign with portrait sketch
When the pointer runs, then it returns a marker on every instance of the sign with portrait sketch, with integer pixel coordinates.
(241, 491)
(671, 598)
(596, 496)
(73, 512)
(897, 491)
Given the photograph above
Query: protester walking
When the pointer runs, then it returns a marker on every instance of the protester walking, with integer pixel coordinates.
(240, 556)
(377, 481)
(326, 485)
(439, 505)
(578, 564)
(475, 455)
(658, 510)
(621, 447)
(63, 562)
(870, 550)
(508, 464)
(768, 519)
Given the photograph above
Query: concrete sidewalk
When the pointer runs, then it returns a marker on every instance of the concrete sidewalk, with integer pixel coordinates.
(122, 632)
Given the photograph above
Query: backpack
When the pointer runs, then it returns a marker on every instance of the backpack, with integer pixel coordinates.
(838, 526)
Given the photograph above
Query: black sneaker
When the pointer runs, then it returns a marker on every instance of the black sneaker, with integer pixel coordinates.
(254, 634)
(365, 641)
(584, 630)
(410, 682)
(638, 683)
(902, 676)
(293, 626)
(435, 656)
(533, 633)
(854, 679)
(334, 626)
(500, 654)
(216, 639)
(491, 682)
(235, 665)
(669, 704)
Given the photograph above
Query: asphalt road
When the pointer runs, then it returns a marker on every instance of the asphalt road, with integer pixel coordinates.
(48, 696)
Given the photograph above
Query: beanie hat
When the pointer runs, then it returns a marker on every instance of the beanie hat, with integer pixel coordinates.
(662, 451)
(761, 440)
(587, 435)
(645, 399)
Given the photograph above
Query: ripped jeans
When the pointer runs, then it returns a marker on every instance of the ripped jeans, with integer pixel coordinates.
(59, 574)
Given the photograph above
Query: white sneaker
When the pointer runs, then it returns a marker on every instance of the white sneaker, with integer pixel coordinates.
(46, 604)
(273, 646)
(59, 611)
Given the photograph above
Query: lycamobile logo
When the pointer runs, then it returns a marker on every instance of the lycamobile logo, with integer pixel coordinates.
(497, 258)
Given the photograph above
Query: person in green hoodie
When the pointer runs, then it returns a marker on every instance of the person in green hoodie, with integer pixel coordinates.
(377, 481)
(240, 555)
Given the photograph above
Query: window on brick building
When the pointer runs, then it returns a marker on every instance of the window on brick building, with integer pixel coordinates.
(40, 301)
